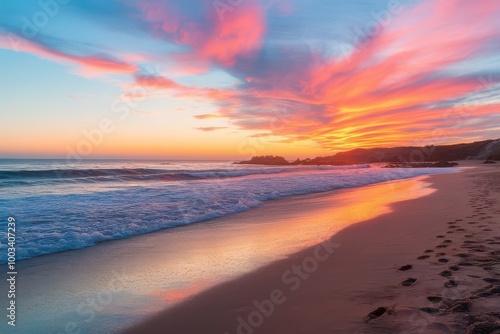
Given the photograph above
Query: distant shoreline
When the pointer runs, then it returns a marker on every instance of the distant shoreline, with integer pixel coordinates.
(280, 161)
(413, 155)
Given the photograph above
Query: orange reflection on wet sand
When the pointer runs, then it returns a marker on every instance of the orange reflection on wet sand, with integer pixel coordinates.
(167, 267)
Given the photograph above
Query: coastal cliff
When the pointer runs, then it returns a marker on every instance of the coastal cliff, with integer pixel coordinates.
(425, 156)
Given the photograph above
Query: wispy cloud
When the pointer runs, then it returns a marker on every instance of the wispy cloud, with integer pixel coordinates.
(419, 79)
(88, 64)
(211, 128)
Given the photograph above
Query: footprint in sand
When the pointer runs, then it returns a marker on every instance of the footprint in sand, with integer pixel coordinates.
(376, 314)
(461, 306)
(423, 257)
(428, 251)
(454, 268)
(440, 254)
(405, 267)
(429, 310)
(491, 280)
(409, 282)
(434, 299)
(467, 264)
(443, 260)
(440, 236)
(441, 246)
(487, 291)
(451, 284)
(446, 273)
(479, 249)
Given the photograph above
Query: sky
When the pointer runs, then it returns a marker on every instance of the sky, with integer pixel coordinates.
(229, 79)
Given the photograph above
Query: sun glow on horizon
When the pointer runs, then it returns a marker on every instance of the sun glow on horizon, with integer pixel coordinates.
(189, 79)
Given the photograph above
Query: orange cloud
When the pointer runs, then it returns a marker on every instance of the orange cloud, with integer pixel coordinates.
(387, 92)
(211, 128)
(207, 116)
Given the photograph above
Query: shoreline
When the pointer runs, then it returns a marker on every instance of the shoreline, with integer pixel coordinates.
(98, 236)
(335, 295)
(161, 269)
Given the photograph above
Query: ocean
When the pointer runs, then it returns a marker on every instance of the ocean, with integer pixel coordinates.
(60, 206)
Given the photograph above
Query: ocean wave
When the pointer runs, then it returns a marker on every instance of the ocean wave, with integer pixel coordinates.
(143, 174)
(57, 222)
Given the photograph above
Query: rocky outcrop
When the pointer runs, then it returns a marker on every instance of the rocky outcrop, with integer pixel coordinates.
(265, 160)
(439, 164)
(490, 151)
(414, 157)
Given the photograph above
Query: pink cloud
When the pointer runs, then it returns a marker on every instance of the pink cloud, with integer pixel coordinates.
(213, 38)
(384, 93)
(87, 63)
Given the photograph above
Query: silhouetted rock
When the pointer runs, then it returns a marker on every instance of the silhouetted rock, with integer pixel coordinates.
(397, 157)
(487, 149)
(445, 164)
(439, 164)
(265, 160)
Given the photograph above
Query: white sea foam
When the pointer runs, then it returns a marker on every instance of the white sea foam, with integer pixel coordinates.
(57, 214)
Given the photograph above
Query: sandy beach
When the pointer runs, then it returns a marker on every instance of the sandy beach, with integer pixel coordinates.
(432, 265)
(113, 285)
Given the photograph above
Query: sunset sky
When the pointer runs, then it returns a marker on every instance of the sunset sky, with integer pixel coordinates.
(234, 78)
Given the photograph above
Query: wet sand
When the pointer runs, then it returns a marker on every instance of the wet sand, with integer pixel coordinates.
(107, 287)
(430, 266)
